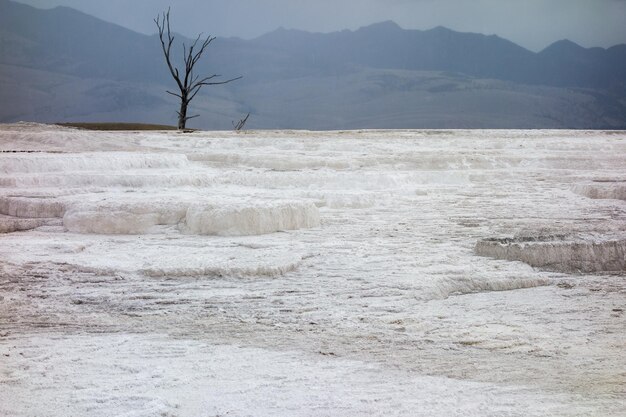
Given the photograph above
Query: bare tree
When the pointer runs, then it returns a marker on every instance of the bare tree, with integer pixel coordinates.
(189, 84)
(241, 123)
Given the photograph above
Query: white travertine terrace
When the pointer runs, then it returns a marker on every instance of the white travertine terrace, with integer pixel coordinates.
(407, 273)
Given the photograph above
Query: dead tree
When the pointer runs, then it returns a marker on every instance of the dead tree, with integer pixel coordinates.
(241, 123)
(189, 84)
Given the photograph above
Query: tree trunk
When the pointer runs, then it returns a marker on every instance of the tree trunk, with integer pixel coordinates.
(182, 114)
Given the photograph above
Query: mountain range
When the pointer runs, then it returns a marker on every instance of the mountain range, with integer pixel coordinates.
(63, 65)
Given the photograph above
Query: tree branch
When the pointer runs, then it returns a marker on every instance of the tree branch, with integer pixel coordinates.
(162, 25)
(174, 94)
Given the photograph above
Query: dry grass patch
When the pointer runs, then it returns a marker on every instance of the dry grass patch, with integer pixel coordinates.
(118, 126)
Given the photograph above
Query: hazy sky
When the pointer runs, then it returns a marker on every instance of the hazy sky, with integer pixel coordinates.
(533, 24)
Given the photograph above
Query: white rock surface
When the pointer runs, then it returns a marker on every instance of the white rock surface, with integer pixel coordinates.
(250, 218)
(560, 254)
(311, 273)
(603, 191)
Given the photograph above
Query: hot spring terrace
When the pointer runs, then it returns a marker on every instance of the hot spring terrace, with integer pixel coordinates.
(493, 260)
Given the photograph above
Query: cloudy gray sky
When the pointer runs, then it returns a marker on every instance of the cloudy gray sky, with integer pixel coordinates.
(533, 24)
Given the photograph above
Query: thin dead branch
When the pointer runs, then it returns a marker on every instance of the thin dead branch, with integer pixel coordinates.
(241, 123)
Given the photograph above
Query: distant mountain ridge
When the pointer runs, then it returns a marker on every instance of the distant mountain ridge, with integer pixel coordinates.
(386, 45)
(65, 42)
